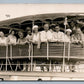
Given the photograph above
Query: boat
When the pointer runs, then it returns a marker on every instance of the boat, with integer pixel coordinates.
(54, 61)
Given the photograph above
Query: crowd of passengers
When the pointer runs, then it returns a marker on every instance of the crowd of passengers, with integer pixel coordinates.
(51, 33)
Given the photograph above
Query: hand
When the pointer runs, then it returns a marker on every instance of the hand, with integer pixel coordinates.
(78, 21)
(38, 46)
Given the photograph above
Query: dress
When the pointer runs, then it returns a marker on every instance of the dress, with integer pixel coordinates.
(3, 41)
(12, 39)
(36, 37)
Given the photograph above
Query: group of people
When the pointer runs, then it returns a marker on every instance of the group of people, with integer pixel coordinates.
(51, 33)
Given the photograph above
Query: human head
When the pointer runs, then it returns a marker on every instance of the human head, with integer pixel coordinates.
(72, 24)
(52, 26)
(78, 31)
(35, 28)
(57, 28)
(20, 34)
(46, 27)
(28, 29)
(1, 34)
(12, 32)
(68, 32)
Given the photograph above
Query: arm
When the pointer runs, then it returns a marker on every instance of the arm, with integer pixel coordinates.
(39, 41)
(73, 39)
(18, 41)
(80, 22)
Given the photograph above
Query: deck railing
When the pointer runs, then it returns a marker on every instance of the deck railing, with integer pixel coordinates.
(51, 51)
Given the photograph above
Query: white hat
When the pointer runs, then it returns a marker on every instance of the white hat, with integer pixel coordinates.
(35, 26)
(68, 30)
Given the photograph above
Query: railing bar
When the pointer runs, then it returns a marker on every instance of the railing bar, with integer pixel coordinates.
(69, 51)
(6, 57)
(29, 50)
(10, 64)
(63, 58)
(65, 24)
(32, 58)
(50, 66)
(11, 51)
(47, 50)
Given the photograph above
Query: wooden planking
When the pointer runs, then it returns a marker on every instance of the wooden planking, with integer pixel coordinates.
(76, 50)
(40, 52)
(20, 50)
(44, 74)
(3, 51)
(56, 49)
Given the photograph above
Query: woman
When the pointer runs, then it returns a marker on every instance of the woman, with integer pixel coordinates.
(29, 38)
(11, 38)
(36, 36)
(29, 35)
(21, 39)
(68, 33)
(3, 39)
(77, 37)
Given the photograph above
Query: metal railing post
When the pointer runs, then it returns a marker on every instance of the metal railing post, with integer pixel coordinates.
(29, 50)
(32, 59)
(65, 24)
(63, 58)
(11, 51)
(69, 51)
(6, 56)
(47, 51)
(50, 68)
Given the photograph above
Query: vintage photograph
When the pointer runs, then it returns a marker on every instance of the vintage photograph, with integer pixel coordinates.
(41, 42)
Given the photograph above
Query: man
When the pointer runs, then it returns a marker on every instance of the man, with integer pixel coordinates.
(58, 36)
(46, 34)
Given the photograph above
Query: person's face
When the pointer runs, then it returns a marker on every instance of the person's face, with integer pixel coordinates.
(78, 31)
(21, 35)
(46, 27)
(68, 33)
(29, 32)
(57, 29)
(72, 24)
(2, 34)
(36, 30)
(12, 32)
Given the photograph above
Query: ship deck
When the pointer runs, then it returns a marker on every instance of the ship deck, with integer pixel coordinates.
(43, 75)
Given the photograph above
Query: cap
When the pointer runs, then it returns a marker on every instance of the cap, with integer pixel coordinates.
(35, 26)
(69, 30)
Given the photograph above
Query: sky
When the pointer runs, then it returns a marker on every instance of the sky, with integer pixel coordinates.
(9, 11)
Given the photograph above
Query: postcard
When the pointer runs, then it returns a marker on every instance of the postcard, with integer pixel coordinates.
(41, 42)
